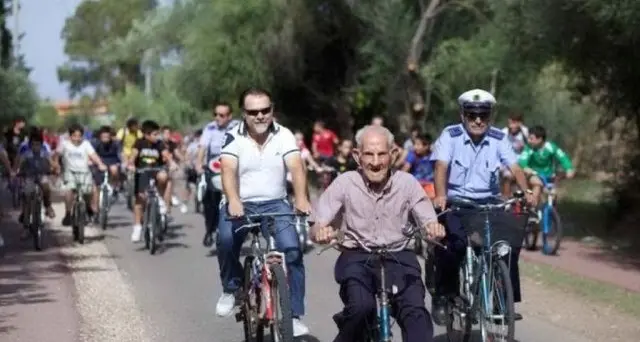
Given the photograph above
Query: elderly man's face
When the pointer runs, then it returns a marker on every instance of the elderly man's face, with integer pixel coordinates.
(375, 156)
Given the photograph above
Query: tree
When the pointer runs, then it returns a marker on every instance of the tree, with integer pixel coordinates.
(93, 26)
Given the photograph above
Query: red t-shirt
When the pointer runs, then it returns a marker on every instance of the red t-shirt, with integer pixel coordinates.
(324, 142)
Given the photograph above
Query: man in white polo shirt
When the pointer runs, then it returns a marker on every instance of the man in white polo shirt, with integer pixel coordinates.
(254, 159)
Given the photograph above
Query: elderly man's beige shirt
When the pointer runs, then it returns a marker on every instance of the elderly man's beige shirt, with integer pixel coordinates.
(376, 218)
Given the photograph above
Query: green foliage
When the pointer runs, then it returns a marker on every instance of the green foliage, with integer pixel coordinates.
(18, 96)
(47, 116)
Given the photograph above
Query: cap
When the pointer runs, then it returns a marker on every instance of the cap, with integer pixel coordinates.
(477, 96)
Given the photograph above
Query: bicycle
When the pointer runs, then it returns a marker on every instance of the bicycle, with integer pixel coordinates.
(200, 191)
(32, 215)
(155, 214)
(302, 229)
(104, 200)
(486, 293)
(382, 331)
(79, 217)
(265, 299)
(546, 220)
(129, 188)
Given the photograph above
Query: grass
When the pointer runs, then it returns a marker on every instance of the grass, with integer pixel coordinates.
(584, 207)
(610, 295)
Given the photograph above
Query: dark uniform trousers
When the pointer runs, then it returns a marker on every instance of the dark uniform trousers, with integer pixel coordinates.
(358, 275)
(211, 204)
(448, 261)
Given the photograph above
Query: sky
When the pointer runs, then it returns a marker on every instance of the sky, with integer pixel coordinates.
(41, 21)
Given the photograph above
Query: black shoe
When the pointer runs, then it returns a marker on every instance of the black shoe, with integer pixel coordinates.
(517, 317)
(21, 218)
(207, 241)
(440, 310)
(66, 220)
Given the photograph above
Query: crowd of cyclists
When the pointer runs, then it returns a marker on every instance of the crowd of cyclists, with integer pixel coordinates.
(79, 159)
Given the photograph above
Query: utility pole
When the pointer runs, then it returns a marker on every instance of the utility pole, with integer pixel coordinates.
(15, 8)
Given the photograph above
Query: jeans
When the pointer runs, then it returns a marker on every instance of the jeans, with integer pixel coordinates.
(230, 242)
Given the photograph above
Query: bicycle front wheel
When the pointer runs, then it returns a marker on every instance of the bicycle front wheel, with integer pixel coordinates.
(282, 325)
(36, 223)
(250, 309)
(104, 207)
(497, 319)
(152, 227)
(552, 232)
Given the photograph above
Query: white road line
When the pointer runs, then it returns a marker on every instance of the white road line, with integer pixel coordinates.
(104, 299)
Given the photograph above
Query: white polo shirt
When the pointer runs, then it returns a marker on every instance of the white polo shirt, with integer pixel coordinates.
(261, 169)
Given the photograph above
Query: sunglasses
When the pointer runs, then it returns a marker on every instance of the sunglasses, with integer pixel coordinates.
(255, 112)
(484, 116)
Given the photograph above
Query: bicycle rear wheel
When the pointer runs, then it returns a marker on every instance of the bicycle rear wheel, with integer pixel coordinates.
(500, 324)
(250, 308)
(552, 234)
(282, 325)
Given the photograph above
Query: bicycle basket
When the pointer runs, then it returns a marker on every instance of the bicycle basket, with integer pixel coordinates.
(505, 226)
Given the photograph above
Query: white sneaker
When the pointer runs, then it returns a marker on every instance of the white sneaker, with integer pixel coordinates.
(136, 235)
(225, 305)
(299, 329)
(175, 201)
(184, 209)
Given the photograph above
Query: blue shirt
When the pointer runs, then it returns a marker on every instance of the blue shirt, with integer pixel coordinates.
(474, 169)
(213, 137)
(25, 150)
(421, 167)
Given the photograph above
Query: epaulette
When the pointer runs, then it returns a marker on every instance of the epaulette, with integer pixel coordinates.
(495, 133)
(211, 126)
(228, 138)
(455, 131)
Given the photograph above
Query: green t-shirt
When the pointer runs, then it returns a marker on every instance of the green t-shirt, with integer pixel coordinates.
(542, 160)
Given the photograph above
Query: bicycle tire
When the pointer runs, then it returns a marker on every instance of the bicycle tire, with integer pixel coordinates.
(460, 305)
(281, 305)
(531, 236)
(153, 229)
(36, 222)
(557, 224)
(104, 207)
(78, 221)
(500, 273)
(249, 313)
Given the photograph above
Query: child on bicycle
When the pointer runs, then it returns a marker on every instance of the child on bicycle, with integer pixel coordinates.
(149, 152)
(109, 151)
(34, 166)
(75, 153)
(343, 161)
(538, 160)
(418, 163)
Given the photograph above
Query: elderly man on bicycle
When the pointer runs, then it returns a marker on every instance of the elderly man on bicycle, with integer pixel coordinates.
(468, 157)
(376, 205)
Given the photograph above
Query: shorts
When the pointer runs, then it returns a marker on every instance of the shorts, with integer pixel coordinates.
(191, 175)
(98, 176)
(73, 180)
(142, 180)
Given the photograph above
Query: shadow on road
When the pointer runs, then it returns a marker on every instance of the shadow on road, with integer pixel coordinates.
(475, 337)
(244, 251)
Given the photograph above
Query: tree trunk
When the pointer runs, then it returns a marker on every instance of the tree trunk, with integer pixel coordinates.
(415, 98)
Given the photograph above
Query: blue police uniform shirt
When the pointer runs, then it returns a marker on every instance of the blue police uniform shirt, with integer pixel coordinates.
(474, 169)
(25, 149)
(213, 137)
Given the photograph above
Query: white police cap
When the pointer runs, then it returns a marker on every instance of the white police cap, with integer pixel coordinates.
(476, 96)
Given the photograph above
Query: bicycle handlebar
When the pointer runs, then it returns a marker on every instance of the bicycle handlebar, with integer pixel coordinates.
(460, 202)
(404, 242)
(252, 218)
(150, 169)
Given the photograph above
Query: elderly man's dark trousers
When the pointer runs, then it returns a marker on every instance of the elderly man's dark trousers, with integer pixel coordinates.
(358, 274)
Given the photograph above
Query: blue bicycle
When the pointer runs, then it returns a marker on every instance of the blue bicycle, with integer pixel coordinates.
(545, 221)
(381, 332)
(486, 293)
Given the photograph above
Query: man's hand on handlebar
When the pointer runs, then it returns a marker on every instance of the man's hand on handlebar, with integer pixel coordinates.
(434, 230)
(323, 235)
(440, 202)
(236, 209)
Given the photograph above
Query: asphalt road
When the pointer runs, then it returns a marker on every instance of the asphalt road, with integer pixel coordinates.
(122, 293)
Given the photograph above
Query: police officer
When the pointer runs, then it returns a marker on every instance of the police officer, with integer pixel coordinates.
(209, 147)
(468, 157)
